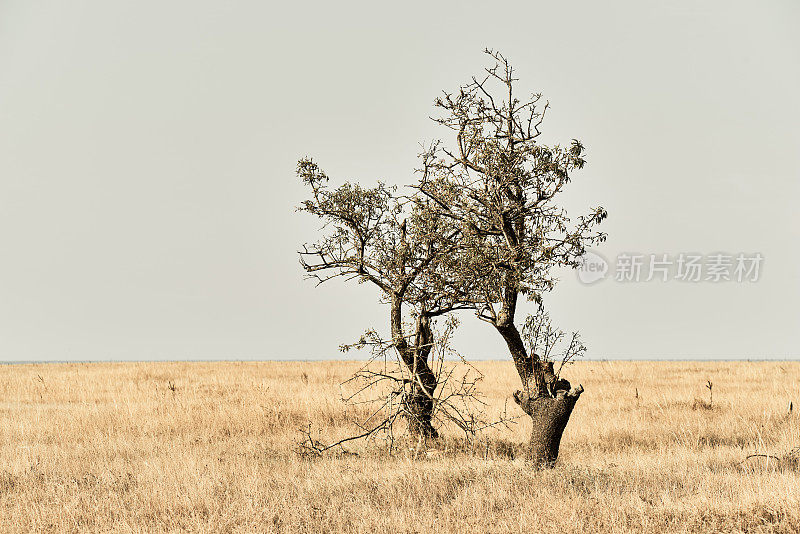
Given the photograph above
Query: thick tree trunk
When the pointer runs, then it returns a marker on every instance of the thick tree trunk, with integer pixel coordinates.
(419, 406)
(549, 416)
(547, 399)
(419, 398)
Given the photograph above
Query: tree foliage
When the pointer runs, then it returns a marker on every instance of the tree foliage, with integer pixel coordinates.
(501, 184)
(407, 250)
(483, 228)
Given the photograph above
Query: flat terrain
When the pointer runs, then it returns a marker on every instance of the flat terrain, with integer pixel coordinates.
(211, 447)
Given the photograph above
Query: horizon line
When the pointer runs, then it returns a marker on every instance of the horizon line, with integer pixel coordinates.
(320, 360)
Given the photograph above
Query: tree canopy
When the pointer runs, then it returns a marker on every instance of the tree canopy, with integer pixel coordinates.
(482, 227)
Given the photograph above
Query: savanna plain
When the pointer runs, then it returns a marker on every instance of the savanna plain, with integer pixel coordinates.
(213, 447)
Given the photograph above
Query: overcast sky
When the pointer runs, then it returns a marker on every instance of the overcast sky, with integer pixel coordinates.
(148, 150)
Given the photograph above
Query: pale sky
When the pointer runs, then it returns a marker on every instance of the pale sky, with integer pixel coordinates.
(148, 149)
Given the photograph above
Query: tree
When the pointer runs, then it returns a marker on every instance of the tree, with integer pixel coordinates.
(501, 184)
(404, 248)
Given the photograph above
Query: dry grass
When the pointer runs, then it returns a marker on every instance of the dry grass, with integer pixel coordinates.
(210, 447)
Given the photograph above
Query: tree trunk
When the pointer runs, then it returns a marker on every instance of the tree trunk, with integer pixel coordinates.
(547, 399)
(549, 416)
(418, 400)
(419, 406)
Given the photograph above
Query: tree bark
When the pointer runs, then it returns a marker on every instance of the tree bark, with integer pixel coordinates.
(419, 399)
(550, 416)
(419, 406)
(547, 399)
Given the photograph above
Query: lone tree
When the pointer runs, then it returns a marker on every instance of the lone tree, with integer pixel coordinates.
(500, 184)
(404, 248)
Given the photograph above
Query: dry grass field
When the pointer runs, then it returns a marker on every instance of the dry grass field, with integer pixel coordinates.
(211, 447)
